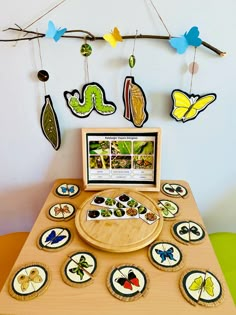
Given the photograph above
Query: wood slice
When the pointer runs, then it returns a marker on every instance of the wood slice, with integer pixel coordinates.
(128, 282)
(118, 235)
(29, 281)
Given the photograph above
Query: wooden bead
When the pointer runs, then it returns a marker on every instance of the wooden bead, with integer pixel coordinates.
(43, 75)
(132, 61)
(86, 50)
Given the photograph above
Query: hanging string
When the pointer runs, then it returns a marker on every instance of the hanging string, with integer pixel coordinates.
(41, 62)
(160, 17)
(43, 15)
(86, 67)
(86, 70)
(136, 34)
(131, 68)
(39, 18)
(193, 70)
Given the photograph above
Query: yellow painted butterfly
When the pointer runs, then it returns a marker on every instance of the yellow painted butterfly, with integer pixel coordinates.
(113, 37)
(188, 106)
(33, 276)
(200, 284)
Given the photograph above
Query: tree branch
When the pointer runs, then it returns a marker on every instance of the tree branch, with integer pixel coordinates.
(89, 36)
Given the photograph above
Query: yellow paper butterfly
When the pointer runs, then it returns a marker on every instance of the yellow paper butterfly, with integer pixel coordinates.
(113, 37)
(187, 107)
(24, 280)
(200, 284)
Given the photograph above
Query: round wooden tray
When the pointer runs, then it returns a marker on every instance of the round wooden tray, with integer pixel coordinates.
(118, 235)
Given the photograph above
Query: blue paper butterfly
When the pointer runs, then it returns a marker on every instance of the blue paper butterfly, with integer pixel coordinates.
(54, 33)
(53, 238)
(166, 254)
(188, 39)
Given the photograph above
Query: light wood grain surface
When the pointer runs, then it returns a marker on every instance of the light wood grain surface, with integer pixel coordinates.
(123, 235)
(164, 296)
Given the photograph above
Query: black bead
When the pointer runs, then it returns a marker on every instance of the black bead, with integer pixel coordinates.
(43, 75)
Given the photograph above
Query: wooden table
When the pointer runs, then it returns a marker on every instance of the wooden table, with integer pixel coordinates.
(164, 296)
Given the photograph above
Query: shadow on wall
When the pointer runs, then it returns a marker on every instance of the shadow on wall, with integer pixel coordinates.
(156, 109)
(222, 214)
(19, 208)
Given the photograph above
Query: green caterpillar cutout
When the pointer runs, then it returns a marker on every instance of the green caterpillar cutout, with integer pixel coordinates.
(92, 97)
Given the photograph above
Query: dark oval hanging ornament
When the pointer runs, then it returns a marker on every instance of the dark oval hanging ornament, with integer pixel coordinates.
(132, 61)
(43, 75)
(86, 50)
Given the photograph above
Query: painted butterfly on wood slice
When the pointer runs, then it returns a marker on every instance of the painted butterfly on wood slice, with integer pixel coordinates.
(79, 270)
(164, 254)
(128, 282)
(168, 208)
(201, 287)
(25, 280)
(62, 210)
(203, 284)
(53, 238)
(69, 190)
(187, 106)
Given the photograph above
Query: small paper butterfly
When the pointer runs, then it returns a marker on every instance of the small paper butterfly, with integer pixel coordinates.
(188, 39)
(164, 254)
(129, 282)
(81, 265)
(54, 33)
(53, 238)
(113, 37)
(187, 107)
(24, 280)
(201, 284)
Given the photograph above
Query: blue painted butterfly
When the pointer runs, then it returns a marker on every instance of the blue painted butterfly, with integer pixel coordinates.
(53, 238)
(70, 190)
(164, 254)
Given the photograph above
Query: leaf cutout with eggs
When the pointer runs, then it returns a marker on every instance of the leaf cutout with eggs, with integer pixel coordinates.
(49, 123)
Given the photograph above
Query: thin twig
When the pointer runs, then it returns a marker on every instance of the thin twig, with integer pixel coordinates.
(217, 51)
(90, 36)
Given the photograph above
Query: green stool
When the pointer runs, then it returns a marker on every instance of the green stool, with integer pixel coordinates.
(224, 244)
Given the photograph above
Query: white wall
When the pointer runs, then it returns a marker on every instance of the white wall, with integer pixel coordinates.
(201, 151)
